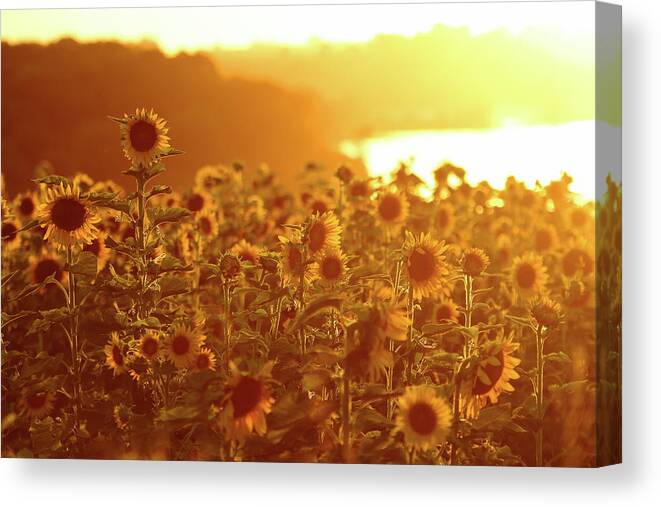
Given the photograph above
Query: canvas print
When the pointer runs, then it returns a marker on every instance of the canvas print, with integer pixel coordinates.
(378, 234)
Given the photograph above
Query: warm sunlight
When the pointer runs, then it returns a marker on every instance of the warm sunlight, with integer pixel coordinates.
(203, 27)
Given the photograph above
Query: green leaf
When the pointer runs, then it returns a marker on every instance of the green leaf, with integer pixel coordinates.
(159, 216)
(493, 417)
(317, 306)
(158, 190)
(85, 265)
(173, 285)
(52, 179)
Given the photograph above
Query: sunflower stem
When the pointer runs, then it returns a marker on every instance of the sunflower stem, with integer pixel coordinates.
(411, 354)
(539, 397)
(75, 358)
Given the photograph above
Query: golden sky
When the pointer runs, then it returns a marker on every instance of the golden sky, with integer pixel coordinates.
(192, 28)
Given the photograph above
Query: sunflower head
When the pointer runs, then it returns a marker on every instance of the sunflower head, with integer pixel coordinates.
(26, 204)
(368, 360)
(322, 232)
(246, 252)
(116, 355)
(577, 260)
(474, 262)
(495, 369)
(207, 224)
(42, 267)
(529, 274)
(98, 247)
(446, 310)
(144, 137)
(423, 417)
(69, 219)
(37, 403)
(545, 311)
(331, 267)
(198, 201)
(247, 403)
(149, 346)
(426, 268)
(182, 346)
(205, 360)
(392, 209)
(10, 235)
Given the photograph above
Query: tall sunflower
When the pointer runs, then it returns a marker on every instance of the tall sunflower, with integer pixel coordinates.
(205, 360)
(423, 418)
(323, 232)
(149, 346)
(249, 400)
(246, 252)
(474, 262)
(198, 201)
(144, 136)
(392, 209)
(182, 346)
(425, 265)
(68, 218)
(446, 310)
(495, 369)
(529, 275)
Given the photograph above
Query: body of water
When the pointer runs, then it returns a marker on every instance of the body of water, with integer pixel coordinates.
(528, 152)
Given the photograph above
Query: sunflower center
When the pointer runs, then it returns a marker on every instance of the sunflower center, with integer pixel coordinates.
(421, 265)
(45, 268)
(202, 361)
(474, 264)
(26, 206)
(359, 189)
(68, 214)
(574, 260)
(390, 208)
(331, 267)
(317, 236)
(9, 231)
(36, 400)
(143, 136)
(149, 346)
(493, 371)
(117, 355)
(422, 418)
(180, 345)
(94, 247)
(526, 276)
(195, 202)
(246, 395)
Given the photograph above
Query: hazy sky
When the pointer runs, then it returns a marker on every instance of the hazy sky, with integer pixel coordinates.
(192, 28)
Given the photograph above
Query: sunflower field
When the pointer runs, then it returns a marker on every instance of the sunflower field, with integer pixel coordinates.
(358, 321)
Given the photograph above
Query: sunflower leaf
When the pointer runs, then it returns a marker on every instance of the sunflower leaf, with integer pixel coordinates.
(52, 179)
(159, 216)
(85, 266)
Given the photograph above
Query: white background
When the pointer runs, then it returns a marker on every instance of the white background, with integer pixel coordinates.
(636, 482)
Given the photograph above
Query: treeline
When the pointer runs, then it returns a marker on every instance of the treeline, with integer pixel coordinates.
(56, 99)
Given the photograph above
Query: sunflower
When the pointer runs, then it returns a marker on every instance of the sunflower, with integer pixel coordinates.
(423, 418)
(545, 311)
(116, 355)
(425, 264)
(198, 201)
(494, 371)
(292, 263)
(149, 346)
(144, 136)
(122, 415)
(99, 249)
(529, 274)
(205, 360)
(360, 189)
(10, 239)
(26, 204)
(37, 404)
(248, 401)
(246, 252)
(331, 267)
(446, 310)
(390, 315)
(183, 345)
(444, 218)
(545, 238)
(323, 232)
(369, 360)
(68, 219)
(577, 260)
(42, 267)
(474, 262)
(207, 223)
(319, 205)
(392, 209)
